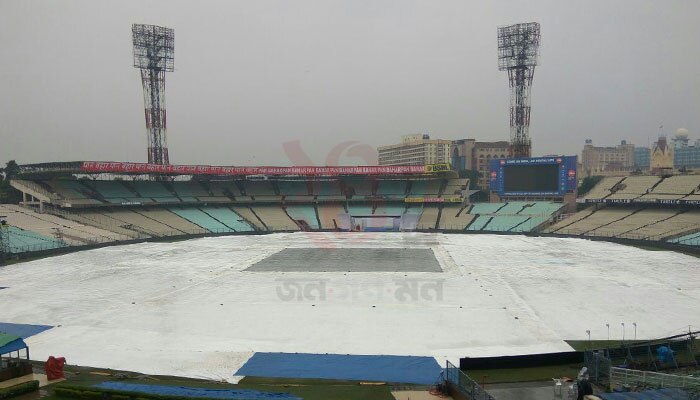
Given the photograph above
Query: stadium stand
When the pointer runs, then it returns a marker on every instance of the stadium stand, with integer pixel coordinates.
(504, 223)
(692, 239)
(455, 218)
(604, 188)
(274, 218)
(392, 189)
(596, 221)
(304, 214)
(429, 217)
(425, 188)
(359, 189)
(681, 223)
(171, 220)
(249, 217)
(261, 191)
(674, 187)
(455, 187)
(479, 222)
(21, 241)
(360, 210)
(394, 210)
(153, 190)
(571, 219)
(47, 225)
(228, 217)
(201, 219)
(114, 191)
(295, 191)
(142, 223)
(486, 208)
(333, 216)
(189, 191)
(633, 187)
(635, 221)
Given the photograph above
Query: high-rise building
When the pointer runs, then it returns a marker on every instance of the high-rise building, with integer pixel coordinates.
(473, 155)
(597, 159)
(417, 149)
(642, 158)
(661, 156)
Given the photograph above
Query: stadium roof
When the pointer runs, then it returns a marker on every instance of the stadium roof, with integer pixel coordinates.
(100, 167)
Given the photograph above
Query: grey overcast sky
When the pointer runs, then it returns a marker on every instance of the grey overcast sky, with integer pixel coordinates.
(252, 75)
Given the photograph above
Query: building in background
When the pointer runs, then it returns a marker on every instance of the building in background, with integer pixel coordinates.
(474, 155)
(661, 156)
(642, 158)
(417, 149)
(598, 160)
(685, 154)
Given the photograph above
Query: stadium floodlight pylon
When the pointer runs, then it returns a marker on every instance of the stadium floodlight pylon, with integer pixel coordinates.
(518, 48)
(154, 48)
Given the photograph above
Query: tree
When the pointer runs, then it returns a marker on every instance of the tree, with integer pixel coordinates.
(588, 183)
(8, 194)
(473, 177)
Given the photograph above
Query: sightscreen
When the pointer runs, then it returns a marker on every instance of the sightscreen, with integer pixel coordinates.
(531, 178)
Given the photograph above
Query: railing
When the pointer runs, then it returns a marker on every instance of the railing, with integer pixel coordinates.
(598, 367)
(620, 377)
(622, 235)
(464, 384)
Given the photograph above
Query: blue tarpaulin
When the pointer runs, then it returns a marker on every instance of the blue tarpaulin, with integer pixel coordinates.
(227, 394)
(22, 330)
(10, 343)
(400, 369)
(658, 394)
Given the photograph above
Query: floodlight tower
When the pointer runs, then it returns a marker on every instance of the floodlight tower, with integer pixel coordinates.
(154, 48)
(518, 47)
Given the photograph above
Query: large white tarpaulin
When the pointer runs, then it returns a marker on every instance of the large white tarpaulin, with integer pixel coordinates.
(188, 308)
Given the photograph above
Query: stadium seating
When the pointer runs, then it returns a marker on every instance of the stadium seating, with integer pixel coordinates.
(628, 226)
(633, 187)
(563, 223)
(361, 188)
(71, 191)
(680, 224)
(479, 223)
(189, 191)
(114, 191)
(504, 223)
(455, 218)
(392, 189)
(595, 221)
(274, 217)
(455, 186)
(48, 225)
(512, 207)
(228, 217)
(360, 210)
(153, 190)
(294, 189)
(21, 241)
(141, 223)
(394, 210)
(305, 213)
(171, 220)
(674, 187)
(425, 188)
(333, 216)
(429, 217)
(325, 189)
(692, 239)
(202, 219)
(249, 217)
(604, 188)
(486, 208)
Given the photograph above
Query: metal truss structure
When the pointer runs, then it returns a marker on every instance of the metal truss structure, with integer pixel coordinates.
(518, 47)
(154, 48)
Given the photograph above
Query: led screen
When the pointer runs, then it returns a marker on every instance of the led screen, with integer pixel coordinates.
(531, 178)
